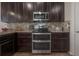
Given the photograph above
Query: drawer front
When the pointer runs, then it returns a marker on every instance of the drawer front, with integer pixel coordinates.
(60, 45)
(7, 48)
(24, 35)
(60, 35)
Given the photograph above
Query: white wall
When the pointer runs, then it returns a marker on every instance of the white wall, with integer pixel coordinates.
(69, 16)
(72, 33)
(76, 28)
(67, 11)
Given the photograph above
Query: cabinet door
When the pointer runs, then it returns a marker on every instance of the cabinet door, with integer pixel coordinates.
(39, 6)
(15, 12)
(11, 13)
(19, 12)
(7, 48)
(24, 42)
(4, 9)
(61, 44)
(60, 41)
(27, 11)
(56, 11)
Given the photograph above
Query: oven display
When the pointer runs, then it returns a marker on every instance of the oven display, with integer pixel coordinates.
(40, 16)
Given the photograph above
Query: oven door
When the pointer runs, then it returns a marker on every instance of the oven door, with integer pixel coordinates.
(41, 45)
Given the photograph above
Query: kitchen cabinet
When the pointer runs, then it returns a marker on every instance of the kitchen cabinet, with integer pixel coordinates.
(19, 12)
(7, 48)
(15, 12)
(28, 11)
(56, 11)
(4, 12)
(7, 44)
(60, 41)
(12, 12)
(40, 7)
(24, 41)
(8, 12)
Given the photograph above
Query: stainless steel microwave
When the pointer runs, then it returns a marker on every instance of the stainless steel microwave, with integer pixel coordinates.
(37, 16)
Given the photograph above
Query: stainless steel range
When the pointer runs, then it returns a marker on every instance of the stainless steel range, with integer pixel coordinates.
(41, 37)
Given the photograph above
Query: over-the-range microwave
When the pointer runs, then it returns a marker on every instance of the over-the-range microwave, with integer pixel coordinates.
(40, 16)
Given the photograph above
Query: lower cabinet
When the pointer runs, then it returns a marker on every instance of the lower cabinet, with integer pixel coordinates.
(7, 44)
(7, 48)
(24, 42)
(60, 42)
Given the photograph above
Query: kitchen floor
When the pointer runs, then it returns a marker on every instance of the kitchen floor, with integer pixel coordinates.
(52, 54)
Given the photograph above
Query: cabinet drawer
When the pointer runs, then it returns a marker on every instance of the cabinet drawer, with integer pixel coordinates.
(24, 34)
(60, 35)
(24, 37)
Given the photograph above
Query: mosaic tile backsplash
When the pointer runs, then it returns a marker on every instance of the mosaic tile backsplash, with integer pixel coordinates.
(52, 26)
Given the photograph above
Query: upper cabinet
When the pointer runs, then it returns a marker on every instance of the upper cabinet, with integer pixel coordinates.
(4, 12)
(40, 7)
(27, 11)
(12, 12)
(56, 11)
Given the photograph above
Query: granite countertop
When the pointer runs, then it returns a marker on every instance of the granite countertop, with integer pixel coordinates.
(8, 32)
(3, 33)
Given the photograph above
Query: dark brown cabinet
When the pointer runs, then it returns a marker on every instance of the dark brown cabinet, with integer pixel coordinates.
(60, 42)
(8, 10)
(40, 7)
(24, 41)
(27, 11)
(19, 12)
(7, 44)
(56, 11)
(4, 12)
(13, 12)
(7, 48)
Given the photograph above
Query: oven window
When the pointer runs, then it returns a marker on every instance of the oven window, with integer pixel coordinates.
(41, 45)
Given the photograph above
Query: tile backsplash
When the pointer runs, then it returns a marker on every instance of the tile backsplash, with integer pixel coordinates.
(53, 26)
(59, 26)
